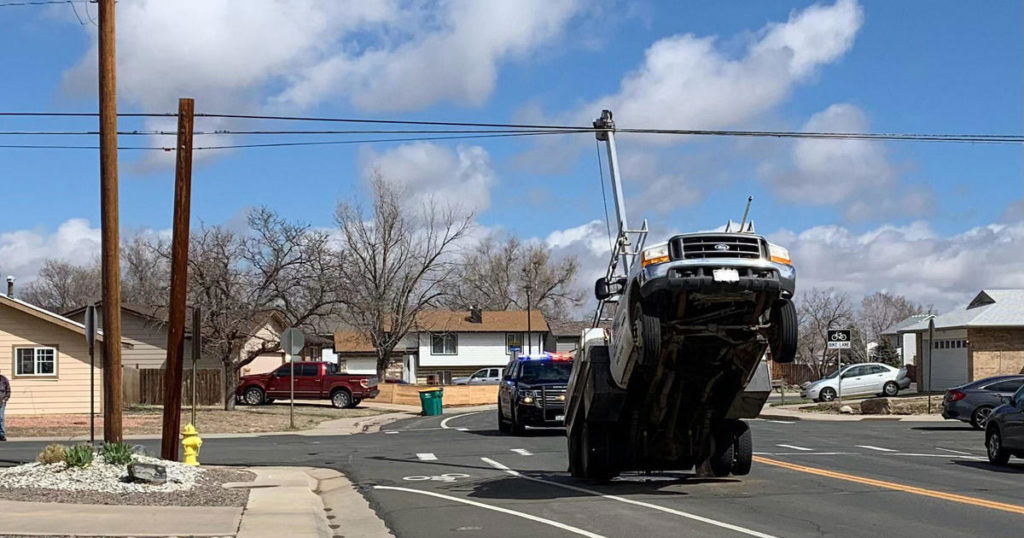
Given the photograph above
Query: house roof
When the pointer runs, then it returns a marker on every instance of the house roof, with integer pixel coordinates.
(352, 342)
(491, 321)
(908, 322)
(990, 308)
(47, 315)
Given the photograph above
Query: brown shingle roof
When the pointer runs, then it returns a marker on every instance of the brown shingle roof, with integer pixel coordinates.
(352, 342)
(491, 321)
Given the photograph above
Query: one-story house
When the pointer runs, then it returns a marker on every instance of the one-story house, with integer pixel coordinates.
(905, 343)
(981, 339)
(46, 359)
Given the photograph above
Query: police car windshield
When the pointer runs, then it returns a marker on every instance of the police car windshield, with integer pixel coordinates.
(545, 372)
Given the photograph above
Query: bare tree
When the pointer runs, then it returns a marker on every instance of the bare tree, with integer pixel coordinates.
(818, 311)
(279, 272)
(497, 273)
(61, 286)
(881, 310)
(145, 273)
(394, 261)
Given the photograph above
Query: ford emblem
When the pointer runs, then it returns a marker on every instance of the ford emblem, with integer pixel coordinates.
(721, 246)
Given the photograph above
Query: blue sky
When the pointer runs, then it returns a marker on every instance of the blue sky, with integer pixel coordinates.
(909, 66)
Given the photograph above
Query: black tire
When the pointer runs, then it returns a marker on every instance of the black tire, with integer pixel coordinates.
(743, 449)
(997, 453)
(596, 454)
(827, 394)
(575, 447)
(723, 452)
(783, 333)
(516, 428)
(255, 396)
(979, 417)
(890, 389)
(341, 399)
(504, 426)
(646, 332)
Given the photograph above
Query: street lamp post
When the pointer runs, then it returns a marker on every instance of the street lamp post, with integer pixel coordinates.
(529, 321)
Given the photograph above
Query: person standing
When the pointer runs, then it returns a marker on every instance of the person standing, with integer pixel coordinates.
(5, 394)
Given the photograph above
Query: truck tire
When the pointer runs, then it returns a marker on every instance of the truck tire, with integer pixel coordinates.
(646, 332)
(341, 399)
(596, 452)
(723, 452)
(743, 449)
(783, 332)
(255, 396)
(575, 442)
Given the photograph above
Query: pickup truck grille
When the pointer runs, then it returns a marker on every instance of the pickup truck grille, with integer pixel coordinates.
(715, 246)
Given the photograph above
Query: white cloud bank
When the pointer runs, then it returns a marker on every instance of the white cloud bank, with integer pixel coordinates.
(22, 252)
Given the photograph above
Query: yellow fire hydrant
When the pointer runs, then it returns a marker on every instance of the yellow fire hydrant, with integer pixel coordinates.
(191, 442)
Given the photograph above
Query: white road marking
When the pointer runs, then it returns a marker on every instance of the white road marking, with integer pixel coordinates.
(878, 448)
(941, 456)
(390, 433)
(521, 451)
(795, 447)
(426, 456)
(953, 451)
(462, 429)
(523, 515)
(806, 453)
(695, 517)
(444, 423)
(779, 421)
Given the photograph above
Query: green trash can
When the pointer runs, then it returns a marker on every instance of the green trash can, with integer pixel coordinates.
(430, 402)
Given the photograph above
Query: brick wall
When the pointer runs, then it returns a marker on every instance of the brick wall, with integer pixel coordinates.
(996, 351)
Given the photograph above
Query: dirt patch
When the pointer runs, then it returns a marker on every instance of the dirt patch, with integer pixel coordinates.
(917, 405)
(207, 492)
(143, 420)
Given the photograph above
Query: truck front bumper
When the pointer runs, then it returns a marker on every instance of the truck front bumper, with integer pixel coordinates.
(698, 275)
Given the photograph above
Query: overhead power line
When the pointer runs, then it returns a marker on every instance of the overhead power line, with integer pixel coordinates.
(303, 132)
(42, 2)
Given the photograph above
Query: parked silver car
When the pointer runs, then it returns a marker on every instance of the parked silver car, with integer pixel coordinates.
(974, 402)
(856, 379)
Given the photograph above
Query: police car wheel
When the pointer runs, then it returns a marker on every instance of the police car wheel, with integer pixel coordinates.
(503, 425)
(516, 428)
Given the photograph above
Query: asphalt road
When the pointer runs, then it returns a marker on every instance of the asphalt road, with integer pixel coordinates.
(457, 475)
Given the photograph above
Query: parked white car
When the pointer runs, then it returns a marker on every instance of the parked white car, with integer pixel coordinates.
(483, 376)
(862, 378)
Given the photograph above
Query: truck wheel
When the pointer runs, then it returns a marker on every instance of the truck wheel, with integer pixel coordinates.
(254, 396)
(783, 332)
(743, 448)
(503, 425)
(575, 442)
(341, 399)
(597, 457)
(646, 333)
(722, 452)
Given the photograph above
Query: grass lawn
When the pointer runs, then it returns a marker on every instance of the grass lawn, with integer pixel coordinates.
(142, 420)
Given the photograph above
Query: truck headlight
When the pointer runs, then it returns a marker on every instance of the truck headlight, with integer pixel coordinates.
(779, 254)
(653, 255)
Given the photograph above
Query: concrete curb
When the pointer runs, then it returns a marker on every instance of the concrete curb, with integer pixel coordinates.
(822, 417)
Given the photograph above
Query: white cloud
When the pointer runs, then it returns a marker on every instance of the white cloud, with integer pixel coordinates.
(687, 82)
(433, 173)
(909, 260)
(855, 173)
(23, 251)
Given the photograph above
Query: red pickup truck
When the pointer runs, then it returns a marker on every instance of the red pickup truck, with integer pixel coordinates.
(313, 381)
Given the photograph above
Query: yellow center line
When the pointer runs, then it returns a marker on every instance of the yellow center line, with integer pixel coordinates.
(974, 501)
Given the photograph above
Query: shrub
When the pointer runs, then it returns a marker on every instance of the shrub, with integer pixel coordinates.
(117, 453)
(78, 456)
(52, 454)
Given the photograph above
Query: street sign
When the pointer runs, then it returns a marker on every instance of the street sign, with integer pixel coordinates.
(515, 349)
(839, 338)
(292, 341)
(90, 325)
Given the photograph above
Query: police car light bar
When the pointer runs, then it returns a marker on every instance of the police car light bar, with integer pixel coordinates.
(547, 356)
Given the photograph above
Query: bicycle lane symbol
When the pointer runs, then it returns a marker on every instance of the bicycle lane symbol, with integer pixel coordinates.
(447, 477)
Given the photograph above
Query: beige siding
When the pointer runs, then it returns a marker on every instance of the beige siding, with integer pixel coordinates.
(149, 343)
(68, 391)
(263, 364)
(996, 351)
(266, 362)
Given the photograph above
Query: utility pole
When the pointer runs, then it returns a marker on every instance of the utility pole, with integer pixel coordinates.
(111, 242)
(179, 283)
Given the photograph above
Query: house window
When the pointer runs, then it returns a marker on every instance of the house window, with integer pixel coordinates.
(513, 340)
(35, 361)
(444, 344)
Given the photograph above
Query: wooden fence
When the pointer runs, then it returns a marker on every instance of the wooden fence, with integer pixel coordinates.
(147, 387)
(453, 394)
(793, 373)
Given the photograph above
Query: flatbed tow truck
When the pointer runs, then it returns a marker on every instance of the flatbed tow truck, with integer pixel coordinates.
(676, 356)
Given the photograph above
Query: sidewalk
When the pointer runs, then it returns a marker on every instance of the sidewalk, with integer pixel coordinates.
(283, 501)
(792, 412)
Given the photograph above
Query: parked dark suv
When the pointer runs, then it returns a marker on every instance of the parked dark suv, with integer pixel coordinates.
(974, 401)
(1004, 433)
(532, 392)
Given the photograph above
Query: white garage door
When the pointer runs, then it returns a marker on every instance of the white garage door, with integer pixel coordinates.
(949, 365)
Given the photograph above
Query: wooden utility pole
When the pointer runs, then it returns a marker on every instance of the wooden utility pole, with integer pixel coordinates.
(179, 283)
(111, 242)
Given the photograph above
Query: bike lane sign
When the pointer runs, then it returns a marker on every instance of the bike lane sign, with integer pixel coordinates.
(839, 338)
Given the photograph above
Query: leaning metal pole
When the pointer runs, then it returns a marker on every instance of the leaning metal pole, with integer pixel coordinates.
(607, 135)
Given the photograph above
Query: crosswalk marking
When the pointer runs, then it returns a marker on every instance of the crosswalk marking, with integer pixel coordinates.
(522, 451)
(426, 456)
(390, 433)
(878, 448)
(795, 447)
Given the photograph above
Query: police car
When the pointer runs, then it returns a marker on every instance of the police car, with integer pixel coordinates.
(532, 392)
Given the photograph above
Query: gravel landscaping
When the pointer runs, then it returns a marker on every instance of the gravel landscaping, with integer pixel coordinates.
(100, 483)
